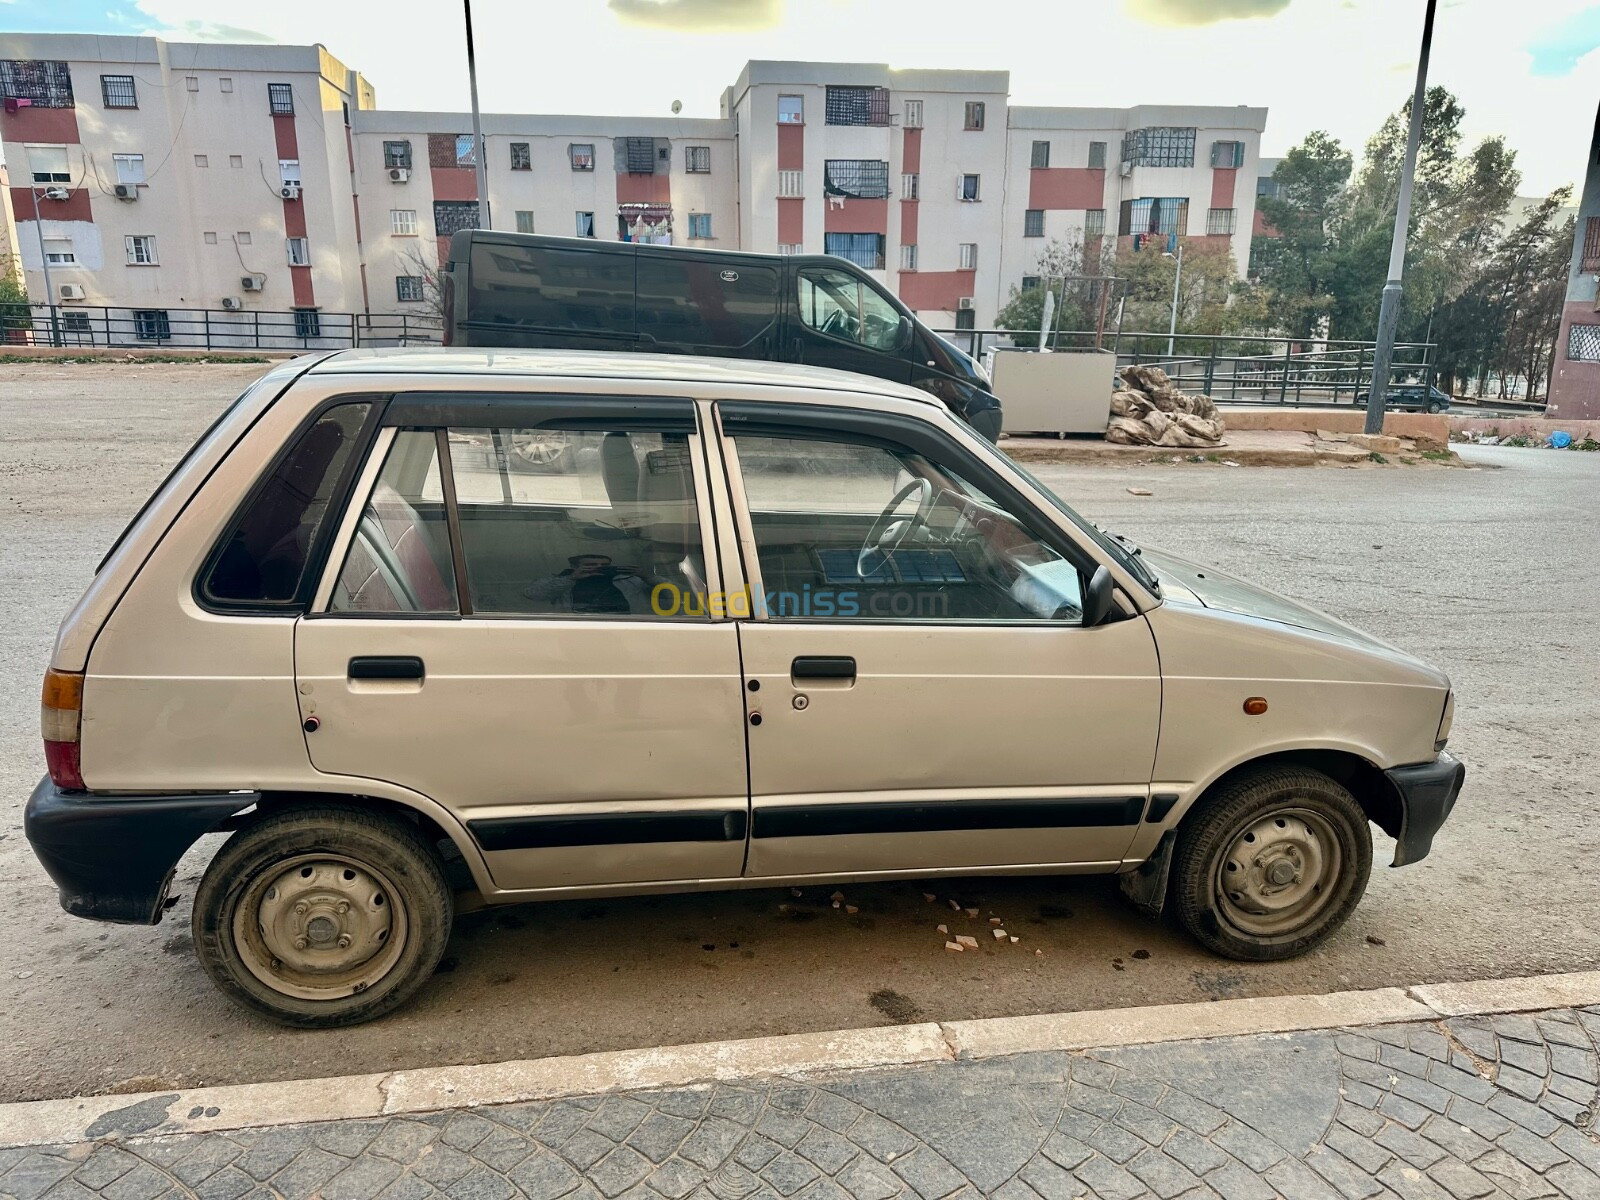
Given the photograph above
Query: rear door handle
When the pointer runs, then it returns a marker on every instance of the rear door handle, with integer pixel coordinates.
(397, 666)
(823, 666)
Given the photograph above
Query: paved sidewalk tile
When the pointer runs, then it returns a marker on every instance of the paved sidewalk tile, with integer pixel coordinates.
(1468, 1109)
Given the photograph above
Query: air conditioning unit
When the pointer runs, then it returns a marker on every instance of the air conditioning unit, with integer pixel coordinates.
(126, 191)
(57, 193)
(398, 174)
(72, 291)
(964, 304)
(232, 303)
(290, 191)
(252, 283)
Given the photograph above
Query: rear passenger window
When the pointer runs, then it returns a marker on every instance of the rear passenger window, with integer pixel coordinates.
(399, 559)
(597, 522)
(519, 286)
(262, 560)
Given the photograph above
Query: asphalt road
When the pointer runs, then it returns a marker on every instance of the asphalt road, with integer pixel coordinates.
(1491, 573)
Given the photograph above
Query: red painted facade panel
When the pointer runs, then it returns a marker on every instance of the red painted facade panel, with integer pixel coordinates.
(294, 218)
(294, 211)
(1575, 386)
(935, 290)
(1259, 226)
(911, 151)
(791, 147)
(908, 222)
(304, 297)
(283, 133)
(856, 216)
(1222, 182)
(644, 189)
(1067, 187)
(791, 221)
(454, 183)
(51, 125)
(74, 208)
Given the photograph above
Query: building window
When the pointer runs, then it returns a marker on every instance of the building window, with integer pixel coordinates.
(966, 318)
(397, 155)
(299, 252)
(236, 161)
(200, 160)
(521, 157)
(789, 248)
(524, 220)
(974, 119)
(1590, 259)
(969, 256)
(862, 178)
(1227, 154)
(280, 99)
(48, 164)
(1033, 223)
(408, 288)
(117, 91)
(307, 324)
(697, 160)
(700, 225)
(141, 248)
(129, 167)
(209, 239)
(452, 216)
(466, 150)
(908, 257)
(911, 186)
(791, 110)
(1159, 146)
(242, 237)
(913, 114)
(581, 156)
(41, 82)
(1041, 156)
(403, 222)
(1029, 282)
(857, 106)
(791, 183)
(58, 252)
(585, 224)
(1094, 223)
(967, 188)
(863, 249)
(289, 172)
(225, 84)
(1097, 155)
(1583, 343)
(150, 324)
(1219, 221)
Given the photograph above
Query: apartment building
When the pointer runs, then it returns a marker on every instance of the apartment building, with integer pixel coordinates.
(265, 178)
(1575, 377)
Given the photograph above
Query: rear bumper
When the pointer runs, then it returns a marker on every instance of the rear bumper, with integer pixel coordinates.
(112, 857)
(1427, 792)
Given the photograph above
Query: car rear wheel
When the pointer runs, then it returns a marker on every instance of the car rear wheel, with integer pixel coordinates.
(1272, 865)
(541, 450)
(322, 917)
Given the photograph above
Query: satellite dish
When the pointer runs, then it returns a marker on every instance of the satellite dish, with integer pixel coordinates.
(677, 107)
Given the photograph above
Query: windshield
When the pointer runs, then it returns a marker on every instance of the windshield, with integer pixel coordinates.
(1119, 548)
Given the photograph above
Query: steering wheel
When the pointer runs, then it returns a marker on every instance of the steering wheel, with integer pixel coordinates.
(889, 533)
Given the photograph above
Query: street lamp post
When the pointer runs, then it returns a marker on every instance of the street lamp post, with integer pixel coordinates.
(44, 265)
(1389, 310)
(479, 156)
(1177, 278)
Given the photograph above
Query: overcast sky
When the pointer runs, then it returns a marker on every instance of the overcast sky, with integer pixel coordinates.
(1528, 69)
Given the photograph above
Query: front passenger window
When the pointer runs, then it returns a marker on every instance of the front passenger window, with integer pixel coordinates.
(842, 306)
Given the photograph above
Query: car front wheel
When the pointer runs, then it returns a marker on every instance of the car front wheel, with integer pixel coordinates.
(1271, 865)
(322, 917)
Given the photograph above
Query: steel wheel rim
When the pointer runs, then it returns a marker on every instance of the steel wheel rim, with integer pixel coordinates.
(538, 448)
(320, 927)
(1279, 872)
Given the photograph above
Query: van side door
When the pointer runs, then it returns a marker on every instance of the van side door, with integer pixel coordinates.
(692, 303)
(838, 319)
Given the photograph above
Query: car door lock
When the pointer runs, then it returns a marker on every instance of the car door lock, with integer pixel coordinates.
(801, 701)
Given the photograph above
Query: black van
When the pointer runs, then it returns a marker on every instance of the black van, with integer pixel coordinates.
(525, 290)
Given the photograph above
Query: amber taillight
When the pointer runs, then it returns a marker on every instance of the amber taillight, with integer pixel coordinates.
(60, 713)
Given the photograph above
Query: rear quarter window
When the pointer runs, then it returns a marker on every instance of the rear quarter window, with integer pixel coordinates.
(575, 290)
(263, 559)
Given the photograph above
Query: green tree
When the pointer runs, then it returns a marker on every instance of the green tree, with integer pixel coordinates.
(1060, 267)
(1295, 268)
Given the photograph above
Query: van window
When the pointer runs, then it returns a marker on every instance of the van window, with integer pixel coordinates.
(550, 289)
(262, 560)
(685, 300)
(844, 307)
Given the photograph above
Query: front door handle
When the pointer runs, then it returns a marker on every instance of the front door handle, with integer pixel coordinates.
(387, 666)
(824, 666)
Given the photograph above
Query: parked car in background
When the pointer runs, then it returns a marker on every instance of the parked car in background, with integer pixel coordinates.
(765, 625)
(1417, 397)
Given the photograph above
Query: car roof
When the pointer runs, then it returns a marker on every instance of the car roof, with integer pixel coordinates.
(603, 364)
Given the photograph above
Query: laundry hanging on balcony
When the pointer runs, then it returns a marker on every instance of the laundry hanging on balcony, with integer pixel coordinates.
(649, 223)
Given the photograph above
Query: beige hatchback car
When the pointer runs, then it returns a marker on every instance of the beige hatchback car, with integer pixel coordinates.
(420, 628)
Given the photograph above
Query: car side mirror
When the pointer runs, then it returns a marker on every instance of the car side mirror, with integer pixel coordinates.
(906, 336)
(1098, 600)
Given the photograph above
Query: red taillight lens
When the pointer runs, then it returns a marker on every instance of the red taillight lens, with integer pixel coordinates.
(60, 713)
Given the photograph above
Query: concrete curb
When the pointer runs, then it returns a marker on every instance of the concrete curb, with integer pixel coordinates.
(242, 1106)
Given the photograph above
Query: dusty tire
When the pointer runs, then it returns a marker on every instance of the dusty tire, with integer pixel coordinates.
(1272, 865)
(321, 917)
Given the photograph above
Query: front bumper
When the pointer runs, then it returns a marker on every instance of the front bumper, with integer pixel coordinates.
(1427, 793)
(112, 857)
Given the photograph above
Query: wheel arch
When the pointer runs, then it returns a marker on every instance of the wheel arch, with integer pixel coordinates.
(1364, 780)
